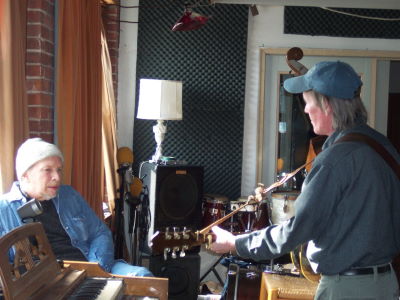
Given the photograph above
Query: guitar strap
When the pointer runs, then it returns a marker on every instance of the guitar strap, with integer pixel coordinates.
(354, 137)
(358, 137)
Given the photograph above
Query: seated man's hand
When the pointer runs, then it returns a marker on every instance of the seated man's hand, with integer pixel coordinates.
(224, 241)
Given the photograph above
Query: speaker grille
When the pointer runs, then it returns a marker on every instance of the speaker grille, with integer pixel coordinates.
(183, 275)
(178, 195)
(175, 195)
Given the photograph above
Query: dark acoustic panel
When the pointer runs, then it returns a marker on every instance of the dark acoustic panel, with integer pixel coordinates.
(211, 63)
(183, 275)
(342, 22)
(175, 195)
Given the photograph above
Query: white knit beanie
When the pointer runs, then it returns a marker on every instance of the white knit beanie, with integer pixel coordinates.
(32, 151)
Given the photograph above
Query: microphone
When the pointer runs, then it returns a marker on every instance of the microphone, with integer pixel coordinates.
(135, 189)
(124, 156)
(30, 210)
(125, 160)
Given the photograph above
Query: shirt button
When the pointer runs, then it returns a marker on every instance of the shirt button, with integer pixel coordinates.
(66, 227)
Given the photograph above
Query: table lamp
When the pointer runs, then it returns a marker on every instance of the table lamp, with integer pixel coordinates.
(160, 100)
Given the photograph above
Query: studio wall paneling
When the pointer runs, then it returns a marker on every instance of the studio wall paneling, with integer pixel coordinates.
(346, 22)
(211, 62)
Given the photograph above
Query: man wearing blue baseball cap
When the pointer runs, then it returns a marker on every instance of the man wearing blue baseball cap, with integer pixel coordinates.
(347, 211)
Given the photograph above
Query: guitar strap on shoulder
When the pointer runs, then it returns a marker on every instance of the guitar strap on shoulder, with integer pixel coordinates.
(358, 137)
(391, 162)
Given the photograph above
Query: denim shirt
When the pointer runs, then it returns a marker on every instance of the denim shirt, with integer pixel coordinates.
(347, 210)
(87, 232)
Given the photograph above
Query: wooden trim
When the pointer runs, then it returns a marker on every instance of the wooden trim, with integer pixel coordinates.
(380, 54)
(374, 55)
(260, 123)
(108, 2)
(372, 105)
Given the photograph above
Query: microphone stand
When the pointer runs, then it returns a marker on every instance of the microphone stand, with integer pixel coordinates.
(119, 217)
(133, 229)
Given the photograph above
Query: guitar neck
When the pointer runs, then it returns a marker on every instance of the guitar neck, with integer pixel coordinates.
(174, 242)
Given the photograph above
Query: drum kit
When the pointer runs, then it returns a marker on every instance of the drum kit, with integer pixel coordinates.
(275, 207)
(250, 217)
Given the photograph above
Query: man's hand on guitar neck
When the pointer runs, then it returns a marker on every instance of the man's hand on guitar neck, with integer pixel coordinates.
(224, 241)
(259, 193)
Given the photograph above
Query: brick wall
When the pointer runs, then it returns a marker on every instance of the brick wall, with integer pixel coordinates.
(40, 62)
(111, 25)
(40, 50)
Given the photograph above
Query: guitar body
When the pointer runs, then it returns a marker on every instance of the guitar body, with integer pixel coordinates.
(301, 262)
(243, 284)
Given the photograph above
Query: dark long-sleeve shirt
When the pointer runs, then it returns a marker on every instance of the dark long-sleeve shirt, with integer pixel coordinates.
(347, 210)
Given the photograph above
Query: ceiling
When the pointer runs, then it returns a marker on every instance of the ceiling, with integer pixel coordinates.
(375, 4)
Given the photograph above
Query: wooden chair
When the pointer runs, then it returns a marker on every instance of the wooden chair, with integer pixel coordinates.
(284, 287)
(36, 274)
(34, 262)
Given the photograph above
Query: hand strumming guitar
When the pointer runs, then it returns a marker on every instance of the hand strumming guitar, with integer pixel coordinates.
(224, 241)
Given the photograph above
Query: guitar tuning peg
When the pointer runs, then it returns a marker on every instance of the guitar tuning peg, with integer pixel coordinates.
(209, 241)
(166, 250)
(166, 234)
(183, 254)
(176, 233)
(174, 250)
(185, 234)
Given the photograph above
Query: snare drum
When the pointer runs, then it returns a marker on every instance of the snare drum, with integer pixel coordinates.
(244, 219)
(214, 208)
(282, 206)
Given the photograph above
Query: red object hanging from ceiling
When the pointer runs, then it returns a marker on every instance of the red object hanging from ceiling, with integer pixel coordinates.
(190, 21)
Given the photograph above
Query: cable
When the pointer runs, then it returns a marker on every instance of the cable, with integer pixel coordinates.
(360, 16)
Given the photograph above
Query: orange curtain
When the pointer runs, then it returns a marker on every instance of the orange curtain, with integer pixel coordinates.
(13, 99)
(109, 128)
(79, 98)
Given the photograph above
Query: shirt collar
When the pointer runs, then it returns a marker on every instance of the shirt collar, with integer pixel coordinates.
(16, 193)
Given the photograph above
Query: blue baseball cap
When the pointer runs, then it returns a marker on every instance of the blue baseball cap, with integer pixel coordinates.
(331, 78)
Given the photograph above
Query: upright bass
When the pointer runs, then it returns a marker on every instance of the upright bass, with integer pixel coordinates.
(298, 255)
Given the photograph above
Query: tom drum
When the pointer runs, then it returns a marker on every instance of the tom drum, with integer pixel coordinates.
(282, 206)
(214, 208)
(244, 219)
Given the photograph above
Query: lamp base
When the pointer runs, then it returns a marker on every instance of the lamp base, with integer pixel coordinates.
(159, 134)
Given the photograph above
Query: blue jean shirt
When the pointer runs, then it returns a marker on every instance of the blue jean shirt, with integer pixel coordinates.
(87, 232)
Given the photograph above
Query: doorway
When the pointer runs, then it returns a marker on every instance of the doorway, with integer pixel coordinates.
(393, 122)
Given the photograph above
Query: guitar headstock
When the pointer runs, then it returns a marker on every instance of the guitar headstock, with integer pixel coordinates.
(175, 241)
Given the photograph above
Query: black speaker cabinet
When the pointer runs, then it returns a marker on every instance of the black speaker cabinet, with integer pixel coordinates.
(175, 197)
(183, 275)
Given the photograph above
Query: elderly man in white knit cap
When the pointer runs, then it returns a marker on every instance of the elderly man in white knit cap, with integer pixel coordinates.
(73, 229)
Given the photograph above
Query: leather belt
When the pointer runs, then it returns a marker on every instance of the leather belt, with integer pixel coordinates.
(366, 271)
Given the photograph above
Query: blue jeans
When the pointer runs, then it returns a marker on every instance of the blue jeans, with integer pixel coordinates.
(123, 268)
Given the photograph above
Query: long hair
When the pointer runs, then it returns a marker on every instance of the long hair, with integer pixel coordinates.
(346, 112)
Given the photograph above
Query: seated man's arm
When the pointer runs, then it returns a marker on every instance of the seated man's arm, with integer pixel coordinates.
(86, 230)
(91, 235)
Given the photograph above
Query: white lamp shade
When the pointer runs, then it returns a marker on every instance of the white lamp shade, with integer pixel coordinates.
(160, 100)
